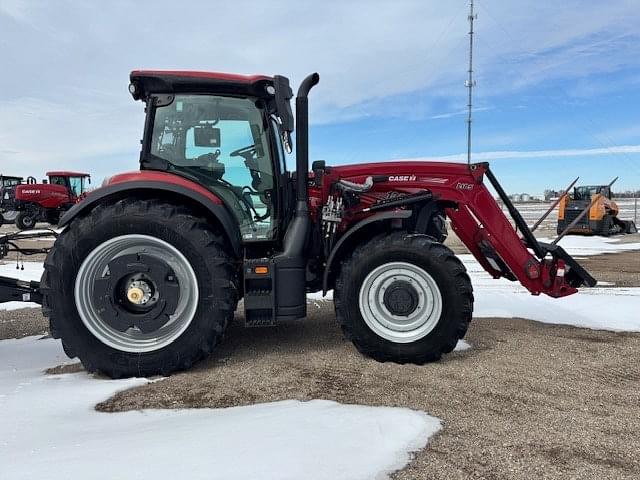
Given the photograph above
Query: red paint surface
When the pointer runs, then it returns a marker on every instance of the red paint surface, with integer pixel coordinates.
(229, 77)
(67, 174)
(478, 217)
(163, 178)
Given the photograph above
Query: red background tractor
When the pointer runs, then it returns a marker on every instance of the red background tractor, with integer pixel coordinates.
(47, 201)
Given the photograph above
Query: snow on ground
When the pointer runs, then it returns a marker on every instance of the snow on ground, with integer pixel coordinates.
(51, 430)
(615, 309)
(32, 271)
(579, 246)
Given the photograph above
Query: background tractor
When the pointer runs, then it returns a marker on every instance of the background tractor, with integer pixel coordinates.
(47, 201)
(7, 182)
(147, 271)
(600, 215)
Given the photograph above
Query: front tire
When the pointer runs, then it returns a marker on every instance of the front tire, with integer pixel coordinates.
(25, 221)
(138, 288)
(403, 298)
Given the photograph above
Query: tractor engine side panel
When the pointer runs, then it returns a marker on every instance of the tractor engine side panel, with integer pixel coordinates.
(43, 195)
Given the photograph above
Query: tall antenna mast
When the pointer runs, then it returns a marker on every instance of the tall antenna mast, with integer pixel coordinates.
(470, 83)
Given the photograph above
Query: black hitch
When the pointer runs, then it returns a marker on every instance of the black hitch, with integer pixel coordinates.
(13, 290)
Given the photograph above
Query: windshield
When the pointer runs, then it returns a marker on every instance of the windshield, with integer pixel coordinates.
(221, 142)
(10, 182)
(586, 192)
(77, 185)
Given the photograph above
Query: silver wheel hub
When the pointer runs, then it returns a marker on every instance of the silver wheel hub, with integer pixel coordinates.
(136, 293)
(400, 302)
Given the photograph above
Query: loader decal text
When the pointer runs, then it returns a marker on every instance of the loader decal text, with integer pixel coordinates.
(402, 178)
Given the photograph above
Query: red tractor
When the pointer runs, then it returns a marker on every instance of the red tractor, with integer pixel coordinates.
(148, 271)
(47, 201)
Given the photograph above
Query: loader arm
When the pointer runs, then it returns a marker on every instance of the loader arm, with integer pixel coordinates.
(490, 236)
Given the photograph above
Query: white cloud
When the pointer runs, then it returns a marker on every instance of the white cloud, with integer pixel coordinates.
(63, 90)
(572, 152)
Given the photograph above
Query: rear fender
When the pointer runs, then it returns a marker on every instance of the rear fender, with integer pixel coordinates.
(205, 203)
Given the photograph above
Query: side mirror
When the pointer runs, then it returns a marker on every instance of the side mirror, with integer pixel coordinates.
(89, 180)
(318, 167)
(205, 136)
(284, 94)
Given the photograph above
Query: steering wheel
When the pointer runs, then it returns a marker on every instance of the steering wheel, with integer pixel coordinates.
(241, 152)
(211, 157)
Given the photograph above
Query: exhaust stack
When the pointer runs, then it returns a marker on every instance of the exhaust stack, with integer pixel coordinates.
(291, 264)
(302, 138)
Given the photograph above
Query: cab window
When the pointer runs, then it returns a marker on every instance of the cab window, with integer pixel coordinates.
(222, 143)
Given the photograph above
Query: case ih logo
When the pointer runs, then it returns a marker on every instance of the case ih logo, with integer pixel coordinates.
(402, 178)
(464, 186)
(31, 192)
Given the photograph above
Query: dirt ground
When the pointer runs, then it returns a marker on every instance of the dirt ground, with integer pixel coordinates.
(529, 400)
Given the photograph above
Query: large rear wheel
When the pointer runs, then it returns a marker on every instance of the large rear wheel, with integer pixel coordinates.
(139, 288)
(403, 298)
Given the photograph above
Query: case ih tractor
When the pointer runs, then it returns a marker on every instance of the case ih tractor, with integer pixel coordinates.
(148, 271)
(46, 202)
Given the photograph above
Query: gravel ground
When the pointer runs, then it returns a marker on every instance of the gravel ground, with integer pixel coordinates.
(529, 400)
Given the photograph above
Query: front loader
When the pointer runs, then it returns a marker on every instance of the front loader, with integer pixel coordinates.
(148, 270)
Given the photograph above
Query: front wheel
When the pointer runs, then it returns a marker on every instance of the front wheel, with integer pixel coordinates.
(138, 288)
(25, 220)
(404, 298)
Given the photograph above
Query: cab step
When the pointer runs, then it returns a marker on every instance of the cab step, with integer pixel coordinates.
(259, 294)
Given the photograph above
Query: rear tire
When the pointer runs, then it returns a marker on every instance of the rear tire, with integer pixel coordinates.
(77, 317)
(25, 221)
(426, 313)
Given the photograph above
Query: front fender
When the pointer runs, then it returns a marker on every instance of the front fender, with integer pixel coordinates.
(194, 196)
(340, 248)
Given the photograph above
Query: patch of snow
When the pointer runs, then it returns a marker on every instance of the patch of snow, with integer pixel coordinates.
(318, 296)
(586, 246)
(616, 309)
(40, 231)
(461, 346)
(50, 430)
(32, 270)
(17, 305)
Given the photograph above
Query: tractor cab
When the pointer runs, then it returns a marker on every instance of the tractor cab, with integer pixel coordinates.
(10, 181)
(587, 192)
(225, 132)
(76, 183)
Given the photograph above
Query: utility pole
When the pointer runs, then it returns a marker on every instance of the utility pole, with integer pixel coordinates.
(470, 83)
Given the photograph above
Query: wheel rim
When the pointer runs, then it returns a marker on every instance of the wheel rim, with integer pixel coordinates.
(27, 221)
(411, 315)
(95, 270)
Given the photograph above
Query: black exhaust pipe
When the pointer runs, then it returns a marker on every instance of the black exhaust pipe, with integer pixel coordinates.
(302, 137)
(291, 264)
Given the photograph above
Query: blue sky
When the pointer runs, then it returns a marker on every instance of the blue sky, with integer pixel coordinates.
(558, 80)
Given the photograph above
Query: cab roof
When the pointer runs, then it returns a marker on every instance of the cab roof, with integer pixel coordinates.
(67, 174)
(146, 82)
